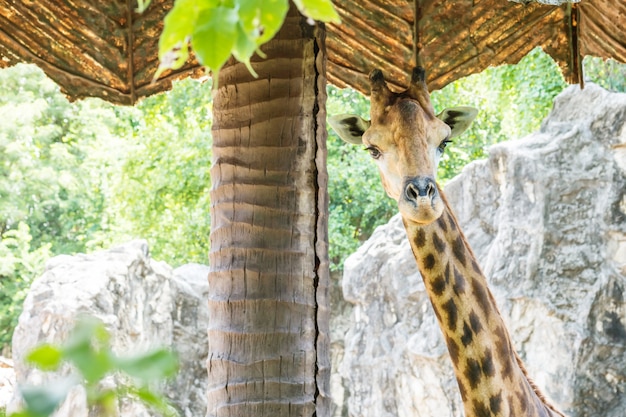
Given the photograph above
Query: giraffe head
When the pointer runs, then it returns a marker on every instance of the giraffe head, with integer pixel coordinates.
(406, 139)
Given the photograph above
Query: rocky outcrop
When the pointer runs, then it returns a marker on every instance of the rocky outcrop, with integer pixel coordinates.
(190, 318)
(546, 216)
(143, 303)
(340, 322)
(7, 381)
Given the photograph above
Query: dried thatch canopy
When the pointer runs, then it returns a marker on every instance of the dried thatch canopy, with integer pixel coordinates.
(102, 49)
(462, 37)
(106, 50)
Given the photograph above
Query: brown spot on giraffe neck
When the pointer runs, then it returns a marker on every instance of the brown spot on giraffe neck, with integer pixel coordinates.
(429, 261)
(441, 221)
(480, 409)
(458, 285)
(488, 366)
(458, 249)
(472, 372)
(452, 314)
(439, 244)
(468, 335)
(475, 322)
(476, 267)
(479, 290)
(521, 398)
(451, 222)
(453, 349)
(495, 403)
(420, 238)
(504, 352)
(438, 285)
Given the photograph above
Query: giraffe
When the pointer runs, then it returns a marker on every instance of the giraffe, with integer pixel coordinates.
(406, 140)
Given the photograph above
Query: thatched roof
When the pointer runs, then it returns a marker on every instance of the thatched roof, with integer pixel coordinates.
(105, 49)
(462, 37)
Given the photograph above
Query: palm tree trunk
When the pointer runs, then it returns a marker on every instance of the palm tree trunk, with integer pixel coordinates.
(268, 329)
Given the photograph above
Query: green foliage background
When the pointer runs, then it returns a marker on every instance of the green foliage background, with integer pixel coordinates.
(82, 176)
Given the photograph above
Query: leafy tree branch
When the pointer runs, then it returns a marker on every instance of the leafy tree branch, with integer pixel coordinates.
(217, 29)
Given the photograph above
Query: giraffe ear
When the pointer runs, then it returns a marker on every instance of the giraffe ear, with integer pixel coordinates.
(349, 127)
(458, 118)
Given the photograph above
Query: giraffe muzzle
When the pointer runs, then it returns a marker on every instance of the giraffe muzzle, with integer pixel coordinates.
(420, 201)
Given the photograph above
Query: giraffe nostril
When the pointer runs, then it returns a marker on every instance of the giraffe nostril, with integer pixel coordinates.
(430, 190)
(411, 192)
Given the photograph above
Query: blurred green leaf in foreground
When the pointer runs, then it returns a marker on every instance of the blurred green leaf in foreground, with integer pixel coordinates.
(89, 352)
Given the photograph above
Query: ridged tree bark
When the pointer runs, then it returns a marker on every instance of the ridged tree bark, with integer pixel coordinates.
(268, 329)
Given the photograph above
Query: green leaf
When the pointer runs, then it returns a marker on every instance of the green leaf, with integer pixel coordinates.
(157, 364)
(86, 330)
(106, 400)
(214, 36)
(142, 5)
(266, 17)
(44, 400)
(87, 348)
(178, 24)
(178, 27)
(320, 10)
(174, 40)
(93, 365)
(155, 401)
(244, 48)
(46, 357)
(248, 11)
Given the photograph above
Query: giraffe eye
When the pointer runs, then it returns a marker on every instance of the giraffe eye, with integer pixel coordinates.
(443, 144)
(374, 152)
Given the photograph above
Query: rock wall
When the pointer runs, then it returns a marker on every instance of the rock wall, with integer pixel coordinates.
(7, 381)
(143, 303)
(546, 216)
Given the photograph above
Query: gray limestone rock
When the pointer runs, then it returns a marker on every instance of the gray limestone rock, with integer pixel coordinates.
(144, 305)
(546, 217)
(7, 381)
(190, 317)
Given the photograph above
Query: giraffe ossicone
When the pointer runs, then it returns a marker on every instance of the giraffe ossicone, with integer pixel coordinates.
(406, 139)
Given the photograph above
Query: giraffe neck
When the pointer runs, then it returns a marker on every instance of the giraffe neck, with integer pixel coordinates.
(490, 376)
